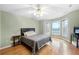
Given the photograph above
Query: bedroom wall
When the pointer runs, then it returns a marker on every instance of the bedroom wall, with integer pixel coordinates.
(41, 27)
(11, 24)
(0, 28)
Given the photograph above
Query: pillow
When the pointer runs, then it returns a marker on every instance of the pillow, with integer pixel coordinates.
(30, 33)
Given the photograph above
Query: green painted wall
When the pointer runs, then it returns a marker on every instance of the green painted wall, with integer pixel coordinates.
(41, 27)
(0, 29)
(11, 24)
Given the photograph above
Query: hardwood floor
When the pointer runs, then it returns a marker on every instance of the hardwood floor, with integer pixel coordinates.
(58, 47)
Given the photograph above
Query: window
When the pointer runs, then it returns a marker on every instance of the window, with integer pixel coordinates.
(56, 28)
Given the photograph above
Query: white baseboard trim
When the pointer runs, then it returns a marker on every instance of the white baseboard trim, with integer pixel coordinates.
(5, 47)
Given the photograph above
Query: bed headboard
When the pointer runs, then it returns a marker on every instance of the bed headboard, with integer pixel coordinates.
(26, 30)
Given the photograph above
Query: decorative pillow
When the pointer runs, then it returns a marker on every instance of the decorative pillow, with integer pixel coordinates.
(30, 33)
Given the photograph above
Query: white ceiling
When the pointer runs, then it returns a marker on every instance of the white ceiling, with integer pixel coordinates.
(50, 11)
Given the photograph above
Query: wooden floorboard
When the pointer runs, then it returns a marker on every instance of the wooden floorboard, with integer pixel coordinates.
(58, 47)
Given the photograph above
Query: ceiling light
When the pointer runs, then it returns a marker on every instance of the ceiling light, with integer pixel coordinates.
(38, 11)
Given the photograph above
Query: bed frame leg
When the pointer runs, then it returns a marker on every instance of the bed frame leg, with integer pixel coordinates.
(51, 43)
(33, 52)
(33, 49)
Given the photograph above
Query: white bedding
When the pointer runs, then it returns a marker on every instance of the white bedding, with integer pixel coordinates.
(30, 33)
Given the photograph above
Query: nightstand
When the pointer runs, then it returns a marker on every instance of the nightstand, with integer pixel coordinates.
(16, 40)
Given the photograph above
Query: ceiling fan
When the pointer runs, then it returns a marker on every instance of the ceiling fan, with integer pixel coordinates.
(38, 11)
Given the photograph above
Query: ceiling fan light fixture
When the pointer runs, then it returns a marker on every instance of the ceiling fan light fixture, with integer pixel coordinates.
(38, 11)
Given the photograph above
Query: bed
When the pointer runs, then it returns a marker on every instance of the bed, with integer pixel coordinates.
(35, 41)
